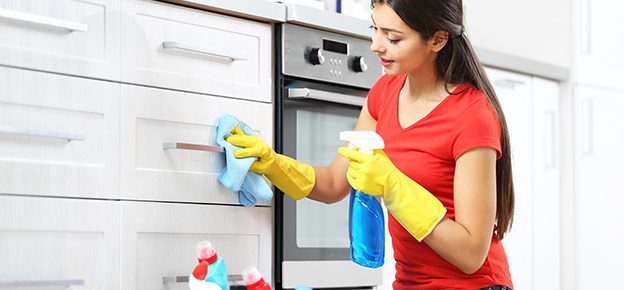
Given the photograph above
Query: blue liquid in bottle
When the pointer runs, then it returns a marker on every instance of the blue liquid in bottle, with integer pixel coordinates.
(366, 230)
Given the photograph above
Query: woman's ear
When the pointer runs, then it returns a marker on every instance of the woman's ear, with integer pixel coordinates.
(439, 40)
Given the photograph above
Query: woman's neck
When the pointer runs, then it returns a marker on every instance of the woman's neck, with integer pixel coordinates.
(425, 85)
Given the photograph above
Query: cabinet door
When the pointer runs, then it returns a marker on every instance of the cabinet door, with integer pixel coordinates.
(546, 203)
(598, 45)
(66, 36)
(59, 135)
(158, 241)
(152, 117)
(176, 47)
(54, 243)
(514, 93)
(599, 139)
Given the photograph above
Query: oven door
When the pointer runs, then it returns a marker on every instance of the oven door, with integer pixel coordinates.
(315, 240)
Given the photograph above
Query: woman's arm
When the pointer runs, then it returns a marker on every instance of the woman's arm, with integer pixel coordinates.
(331, 182)
(465, 242)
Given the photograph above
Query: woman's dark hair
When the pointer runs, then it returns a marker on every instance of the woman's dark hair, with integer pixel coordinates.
(457, 63)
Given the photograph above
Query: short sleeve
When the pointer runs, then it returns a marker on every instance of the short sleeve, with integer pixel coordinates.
(374, 101)
(477, 126)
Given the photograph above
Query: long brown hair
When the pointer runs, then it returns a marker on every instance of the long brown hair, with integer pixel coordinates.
(457, 63)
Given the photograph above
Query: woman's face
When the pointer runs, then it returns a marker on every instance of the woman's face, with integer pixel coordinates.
(399, 47)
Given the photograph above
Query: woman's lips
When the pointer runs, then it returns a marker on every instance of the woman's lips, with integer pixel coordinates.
(386, 62)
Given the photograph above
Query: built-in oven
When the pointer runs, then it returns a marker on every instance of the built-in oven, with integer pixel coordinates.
(322, 82)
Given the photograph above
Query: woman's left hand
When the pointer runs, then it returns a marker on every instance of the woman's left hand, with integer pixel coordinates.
(367, 173)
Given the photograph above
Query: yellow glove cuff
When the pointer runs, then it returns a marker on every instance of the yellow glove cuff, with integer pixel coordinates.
(415, 208)
(296, 179)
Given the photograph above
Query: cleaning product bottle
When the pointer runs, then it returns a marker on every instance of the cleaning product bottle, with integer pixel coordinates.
(254, 280)
(366, 218)
(211, 266)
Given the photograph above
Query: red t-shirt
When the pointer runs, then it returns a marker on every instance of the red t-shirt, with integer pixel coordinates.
(427, 152)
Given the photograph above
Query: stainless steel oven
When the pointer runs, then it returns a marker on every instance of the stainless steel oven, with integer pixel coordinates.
(322, 82)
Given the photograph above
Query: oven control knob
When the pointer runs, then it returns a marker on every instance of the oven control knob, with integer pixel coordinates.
(316, 56)
(358, 64)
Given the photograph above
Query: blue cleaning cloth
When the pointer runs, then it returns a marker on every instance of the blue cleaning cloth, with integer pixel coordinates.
(236, 176)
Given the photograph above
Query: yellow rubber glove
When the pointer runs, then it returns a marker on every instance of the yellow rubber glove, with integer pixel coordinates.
(296, 179)
(415, 208)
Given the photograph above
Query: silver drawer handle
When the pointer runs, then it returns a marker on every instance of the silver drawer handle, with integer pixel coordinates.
(42, 283)
(185, 279)
(42, 21)
(508, 83)
(44, 134)
(197, 147)
(306, 93)
(200, 50)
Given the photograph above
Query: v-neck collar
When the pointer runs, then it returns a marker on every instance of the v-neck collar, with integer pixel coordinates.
(426, 117)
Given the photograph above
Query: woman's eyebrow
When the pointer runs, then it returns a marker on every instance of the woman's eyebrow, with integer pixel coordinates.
(385, 29)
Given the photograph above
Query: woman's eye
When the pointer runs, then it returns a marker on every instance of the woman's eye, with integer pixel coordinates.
(373, 27)
(393, 41)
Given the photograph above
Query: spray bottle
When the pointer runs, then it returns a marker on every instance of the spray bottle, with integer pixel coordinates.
(366, 218)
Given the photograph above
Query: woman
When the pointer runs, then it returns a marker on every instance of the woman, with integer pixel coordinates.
(445, 173)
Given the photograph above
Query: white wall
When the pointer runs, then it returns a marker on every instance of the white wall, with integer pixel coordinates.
(533, 29)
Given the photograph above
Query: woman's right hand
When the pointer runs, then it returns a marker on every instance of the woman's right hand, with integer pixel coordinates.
(252, 147)
(296, 179)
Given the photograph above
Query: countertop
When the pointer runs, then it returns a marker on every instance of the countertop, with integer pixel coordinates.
(272, 12)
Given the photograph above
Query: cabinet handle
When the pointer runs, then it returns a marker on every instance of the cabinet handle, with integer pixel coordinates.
(201, 50)
(508, 83)
(196, 147)
(586, 34)
(185, 279)
(44, 134)
(42, 21)
(549, 132)
(41, 283)
(588, 127)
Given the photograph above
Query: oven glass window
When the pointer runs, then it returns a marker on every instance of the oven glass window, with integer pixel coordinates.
(320, 225)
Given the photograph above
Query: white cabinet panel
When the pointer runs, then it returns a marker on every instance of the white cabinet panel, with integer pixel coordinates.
(546, 191)
(151, 117)
(599, 137)
(45, 240)
(514, 93)
(66, 36)
(175, 47)
(598, 46)
(38, 112)
(158, 240)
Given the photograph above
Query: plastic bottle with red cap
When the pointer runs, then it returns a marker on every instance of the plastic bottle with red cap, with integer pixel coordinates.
(210, 273)
(254, 280)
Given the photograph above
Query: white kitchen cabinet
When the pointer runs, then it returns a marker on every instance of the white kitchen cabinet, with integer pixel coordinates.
(175, 47)
(158, 240)
(59, 135)
(79, 38)
(53, 243)
(152, 117)
(598, 138)
(530, 106)
(599, 47)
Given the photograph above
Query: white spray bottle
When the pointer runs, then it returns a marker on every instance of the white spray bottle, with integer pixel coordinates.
(366, 218)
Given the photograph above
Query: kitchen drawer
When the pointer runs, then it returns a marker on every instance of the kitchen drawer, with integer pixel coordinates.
(65, 36)
(55, 243)
(59, 135)
(158, 240)
(191, 50)
(152, 117)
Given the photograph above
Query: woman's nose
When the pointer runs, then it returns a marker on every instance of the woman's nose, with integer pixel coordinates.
(375, 46)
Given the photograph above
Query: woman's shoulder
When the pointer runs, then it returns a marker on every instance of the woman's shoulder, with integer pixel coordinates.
(468, 96)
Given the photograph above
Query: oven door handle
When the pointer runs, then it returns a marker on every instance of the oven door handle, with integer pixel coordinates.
(306, 93)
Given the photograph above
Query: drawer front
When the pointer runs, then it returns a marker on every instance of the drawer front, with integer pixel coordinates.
(55, 243)
(152, 117)
(181, 48)
(59, 135)
(66, 36)
(158, 241)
